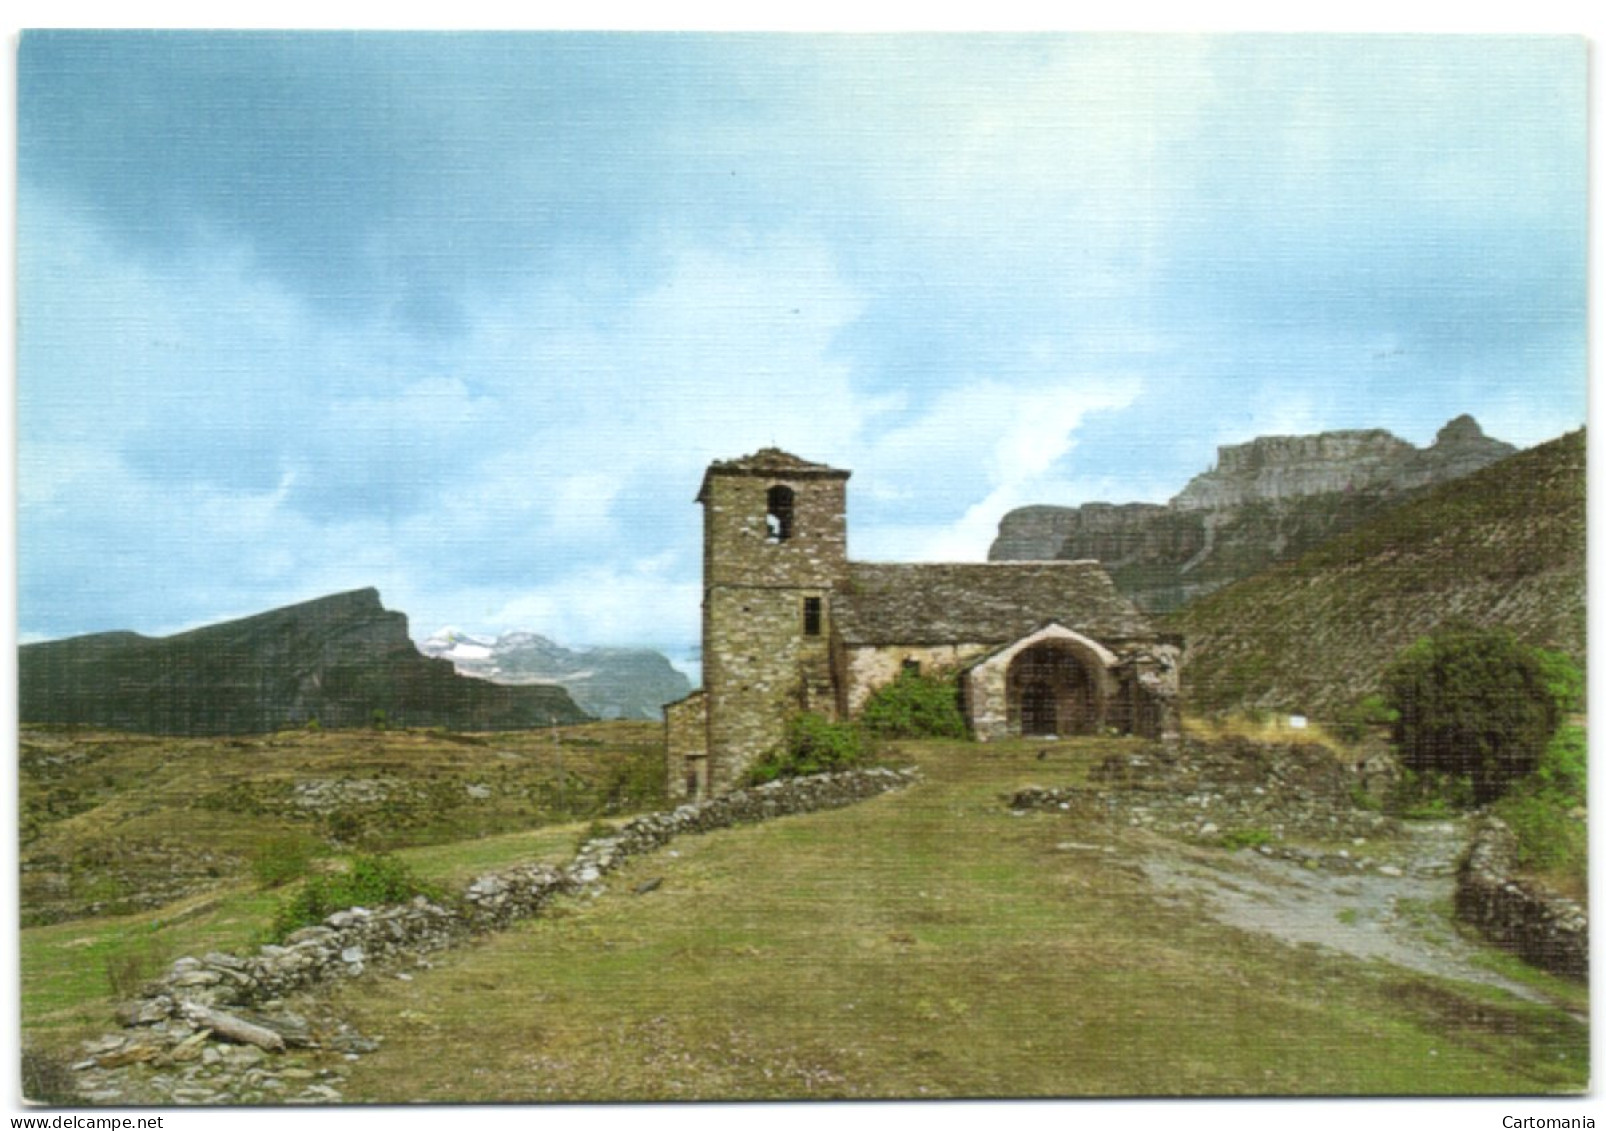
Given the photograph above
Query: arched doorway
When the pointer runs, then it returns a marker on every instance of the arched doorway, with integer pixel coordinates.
(1053, 690)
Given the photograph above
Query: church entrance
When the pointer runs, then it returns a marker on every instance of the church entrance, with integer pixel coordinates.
(1052, 691)
(1038, 713)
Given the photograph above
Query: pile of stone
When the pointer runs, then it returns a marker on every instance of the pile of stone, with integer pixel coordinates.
(197, 1064)
(1537, 925)
(240, 999)
(1207, 792)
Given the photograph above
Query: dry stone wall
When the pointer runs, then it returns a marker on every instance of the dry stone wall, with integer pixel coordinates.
(239, 1000)
(1538, 926)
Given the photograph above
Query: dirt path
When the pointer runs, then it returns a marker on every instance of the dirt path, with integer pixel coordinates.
(1400, 918)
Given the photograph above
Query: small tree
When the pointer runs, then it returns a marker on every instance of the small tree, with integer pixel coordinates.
(1473, 703)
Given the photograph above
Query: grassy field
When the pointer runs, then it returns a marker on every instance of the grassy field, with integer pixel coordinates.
(927, 943)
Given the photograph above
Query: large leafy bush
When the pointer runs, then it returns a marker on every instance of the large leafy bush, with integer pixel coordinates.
(1477, 704)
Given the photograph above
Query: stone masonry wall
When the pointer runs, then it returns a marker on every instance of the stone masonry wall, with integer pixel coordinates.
(756, 665)
(1538, 926)
(869, 667)
(203, 999)
(736, 546)
(686, 742)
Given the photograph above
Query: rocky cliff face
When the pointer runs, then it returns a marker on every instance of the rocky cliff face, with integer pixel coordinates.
(610, 683)
(1266, 501)
(1275, 468)
(343, 660)
(1279, 468)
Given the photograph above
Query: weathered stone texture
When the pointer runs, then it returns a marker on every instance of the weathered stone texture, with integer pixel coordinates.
(760, 665)
(686, 745)
(737, 545)
(1202, 790)
(1538, 926)
(758, 668)
(983, 602)
(864, 668)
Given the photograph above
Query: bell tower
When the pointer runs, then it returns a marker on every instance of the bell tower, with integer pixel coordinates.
(775, 546)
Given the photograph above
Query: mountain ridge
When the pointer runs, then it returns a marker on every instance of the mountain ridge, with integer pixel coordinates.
(343, 660)
(1266, 500)
(607, 682)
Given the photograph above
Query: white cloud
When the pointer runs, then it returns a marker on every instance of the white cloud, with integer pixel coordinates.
(1003, 442)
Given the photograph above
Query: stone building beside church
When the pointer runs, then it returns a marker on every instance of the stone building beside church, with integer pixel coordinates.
(791, 625)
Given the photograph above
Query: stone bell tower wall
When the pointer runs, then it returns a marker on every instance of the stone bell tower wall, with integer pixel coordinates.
(774, 547)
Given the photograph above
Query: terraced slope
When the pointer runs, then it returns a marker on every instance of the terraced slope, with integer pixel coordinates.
(1504, 547)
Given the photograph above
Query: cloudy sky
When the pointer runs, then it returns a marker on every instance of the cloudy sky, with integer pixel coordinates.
(463, 317)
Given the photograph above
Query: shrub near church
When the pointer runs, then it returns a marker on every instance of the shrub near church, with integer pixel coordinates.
(1476, 704)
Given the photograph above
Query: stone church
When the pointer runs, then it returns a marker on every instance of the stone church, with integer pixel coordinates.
(791, 625)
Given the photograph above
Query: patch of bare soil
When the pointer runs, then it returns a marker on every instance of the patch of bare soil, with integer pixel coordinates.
(1400, 914)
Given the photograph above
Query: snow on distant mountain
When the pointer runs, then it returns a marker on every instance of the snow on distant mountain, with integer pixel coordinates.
(610, 683)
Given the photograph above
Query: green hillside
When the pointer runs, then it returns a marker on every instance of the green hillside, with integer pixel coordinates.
(1503, 547)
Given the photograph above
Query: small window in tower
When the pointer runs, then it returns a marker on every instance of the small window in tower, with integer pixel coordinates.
(779, 519)
(811, 616)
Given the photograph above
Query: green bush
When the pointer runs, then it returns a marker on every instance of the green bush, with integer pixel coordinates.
(915, 706)
(1426, 795)
(371, 881)
(1475, 703)
(813, 745)
(1564, 768)
(1245, 838)
(1542, 809)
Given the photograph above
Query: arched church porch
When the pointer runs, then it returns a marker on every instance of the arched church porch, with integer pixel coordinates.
(1052, 682)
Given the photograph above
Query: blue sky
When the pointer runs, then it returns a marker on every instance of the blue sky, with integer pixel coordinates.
(464, 316)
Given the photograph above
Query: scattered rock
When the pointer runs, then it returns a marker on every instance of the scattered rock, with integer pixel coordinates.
(1194, 790)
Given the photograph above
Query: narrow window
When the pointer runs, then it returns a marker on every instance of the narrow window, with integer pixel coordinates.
(811, 616)
(779, 519)
(911, 666)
